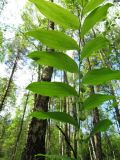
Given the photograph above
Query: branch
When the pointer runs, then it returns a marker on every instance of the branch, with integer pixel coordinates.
(67, 140)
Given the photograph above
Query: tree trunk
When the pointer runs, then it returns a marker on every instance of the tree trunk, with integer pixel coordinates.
(37, 129)
(9, 82)
(97, 136)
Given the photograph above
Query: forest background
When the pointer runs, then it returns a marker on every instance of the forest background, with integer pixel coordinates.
(84, 119)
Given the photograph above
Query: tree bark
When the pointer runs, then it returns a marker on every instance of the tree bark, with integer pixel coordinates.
(37, 129)
(97, 136)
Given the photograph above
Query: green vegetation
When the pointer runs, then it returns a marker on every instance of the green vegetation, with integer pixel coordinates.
(68, 108)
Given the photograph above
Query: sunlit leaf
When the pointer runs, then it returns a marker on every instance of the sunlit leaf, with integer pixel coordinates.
(57, 116)
(92, 4)
(96, 100)
(52, 89)
(94, 17)
(83, 3)
(57, 14)
(94, 45)
(101, 126)
(101, 76)
(55, 59)
(54, 39)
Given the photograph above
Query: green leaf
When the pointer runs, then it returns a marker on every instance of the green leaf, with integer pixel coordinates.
(57, 116)
(52, 89)
(101, 76)
(83, 3)
(92, 4)
(93, 46)
(54, 39)
(96, 100)
(55, 59)
(57, 14)
(94, 17)
(101, 126)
